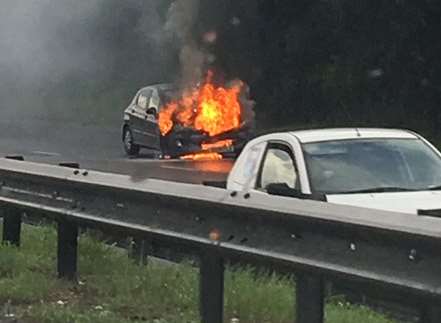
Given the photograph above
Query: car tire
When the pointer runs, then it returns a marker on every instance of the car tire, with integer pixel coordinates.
(130, 147)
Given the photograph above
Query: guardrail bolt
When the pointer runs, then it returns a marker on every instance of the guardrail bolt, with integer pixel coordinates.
(85, 173)
(233, 194)
(413, 255)
(352, 246)
(198, 219)
(76, 172)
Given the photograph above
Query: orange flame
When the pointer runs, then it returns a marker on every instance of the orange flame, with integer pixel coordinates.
(219, 144)
(202, 156)
(210, 109)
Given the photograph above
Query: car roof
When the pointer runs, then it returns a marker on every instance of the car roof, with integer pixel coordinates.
(160, 87)
(316, 135)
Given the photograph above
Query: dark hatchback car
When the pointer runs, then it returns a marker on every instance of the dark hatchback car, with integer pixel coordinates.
(141, 130)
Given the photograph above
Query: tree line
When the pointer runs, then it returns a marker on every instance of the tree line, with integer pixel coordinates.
(309, 63)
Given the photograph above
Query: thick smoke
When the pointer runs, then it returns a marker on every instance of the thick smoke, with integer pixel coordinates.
(72, 59)
(58, 56)
(39, 39)
(180, 26)
(42, 37)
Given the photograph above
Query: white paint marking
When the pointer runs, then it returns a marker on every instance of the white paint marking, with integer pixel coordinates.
(45, 153)
(182, 168)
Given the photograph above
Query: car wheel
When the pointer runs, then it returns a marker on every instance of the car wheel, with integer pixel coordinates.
(130, 147)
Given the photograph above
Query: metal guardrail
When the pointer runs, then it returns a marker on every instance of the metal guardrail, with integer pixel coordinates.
(389, 255)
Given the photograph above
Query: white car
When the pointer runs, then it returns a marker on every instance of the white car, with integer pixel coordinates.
(387, 169)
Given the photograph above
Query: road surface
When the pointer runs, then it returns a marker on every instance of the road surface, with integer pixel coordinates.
(98, 148)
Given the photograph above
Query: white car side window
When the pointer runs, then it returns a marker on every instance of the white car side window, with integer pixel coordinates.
(154, 100)
(142, 101)
(278, 167)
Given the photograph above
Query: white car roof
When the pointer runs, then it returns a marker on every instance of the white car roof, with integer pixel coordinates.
(306, 136)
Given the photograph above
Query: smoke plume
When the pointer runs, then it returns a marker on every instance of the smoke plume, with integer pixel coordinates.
(180, 26)
(195, 41)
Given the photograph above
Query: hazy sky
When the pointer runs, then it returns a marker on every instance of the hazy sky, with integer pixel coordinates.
(38, 37)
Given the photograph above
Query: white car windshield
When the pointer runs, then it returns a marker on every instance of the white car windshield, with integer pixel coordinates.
(372, 165)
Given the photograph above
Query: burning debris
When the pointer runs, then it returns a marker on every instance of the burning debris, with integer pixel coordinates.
(202, 156)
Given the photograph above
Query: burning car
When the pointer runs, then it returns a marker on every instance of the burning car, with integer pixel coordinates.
(203, 122)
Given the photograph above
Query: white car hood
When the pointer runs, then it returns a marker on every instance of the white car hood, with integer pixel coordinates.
(403, 202)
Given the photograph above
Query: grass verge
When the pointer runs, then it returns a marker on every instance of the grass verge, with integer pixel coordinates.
(112, 288)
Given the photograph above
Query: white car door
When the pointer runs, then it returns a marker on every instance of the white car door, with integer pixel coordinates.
(270, 159)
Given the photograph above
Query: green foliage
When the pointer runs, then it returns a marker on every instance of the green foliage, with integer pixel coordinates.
(248, 294)
(338, 63)
(335, 310)
(112, 288)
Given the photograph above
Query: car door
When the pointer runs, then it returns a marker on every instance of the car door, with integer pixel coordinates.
(151, 127)
(246, 168)
(144, 121)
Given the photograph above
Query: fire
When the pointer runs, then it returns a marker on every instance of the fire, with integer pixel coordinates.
(209, 109)
(218, 144)
(202, 156)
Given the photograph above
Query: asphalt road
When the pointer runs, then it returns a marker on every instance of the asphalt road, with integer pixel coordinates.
(98, 148)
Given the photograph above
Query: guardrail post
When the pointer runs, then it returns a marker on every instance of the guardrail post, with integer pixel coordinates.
(431, 314)
(139, 251)
(309, 299)
(11, 226)
(67, 250)
(211, 284)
